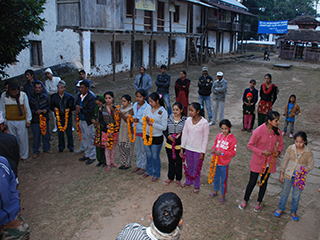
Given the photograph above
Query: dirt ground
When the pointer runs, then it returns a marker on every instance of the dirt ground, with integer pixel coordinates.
(62, 198)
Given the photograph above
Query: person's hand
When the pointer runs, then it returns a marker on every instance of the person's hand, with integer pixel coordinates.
(28, 125)
(150, 123)
(78, 108)
(38, 112)
(201, 156)
(93, 121)
(110, 135)
(266, 153)
(181, 153)
(55, 109)
(213, 151)
(170, 138)
(44, 111)
(218, 153)
(109, 127)
(147, 118)
(135, 119)
(281, 178)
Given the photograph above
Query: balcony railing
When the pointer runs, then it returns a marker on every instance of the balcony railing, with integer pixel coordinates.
(236, 27)
(247, 28)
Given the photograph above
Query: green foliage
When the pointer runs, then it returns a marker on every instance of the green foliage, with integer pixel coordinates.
(274, 10)
(18, 19)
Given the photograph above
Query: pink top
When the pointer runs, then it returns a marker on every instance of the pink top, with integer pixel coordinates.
(262, 140)
(227, 145)
(195, 137)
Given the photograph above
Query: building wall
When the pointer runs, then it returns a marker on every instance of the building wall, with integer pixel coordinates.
(57, 47)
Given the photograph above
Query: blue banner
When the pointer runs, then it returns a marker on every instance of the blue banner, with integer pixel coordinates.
(277, 27)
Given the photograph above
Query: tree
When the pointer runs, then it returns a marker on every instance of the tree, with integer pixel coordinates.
(274, 10)
(18, 19)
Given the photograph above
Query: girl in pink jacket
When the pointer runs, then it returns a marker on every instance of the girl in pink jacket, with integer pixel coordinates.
(266, 144)
(224, 148)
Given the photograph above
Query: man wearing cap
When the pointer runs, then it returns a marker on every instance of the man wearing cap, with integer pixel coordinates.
(85, 104)
(219, 89)
(63, 101)
(9, 147)
(143, 81)
(163, 84)
(205, 85)
(16, 111)
(51, 86)
(40, 105)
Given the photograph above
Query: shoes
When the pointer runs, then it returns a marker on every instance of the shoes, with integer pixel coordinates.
(249, 130)
(296, 219)
(277, 214)
(178, 183)
(123, 167)
(36, 155)
(135, 170)
(99, 164)
(141, 171)
(213, 194)
(242, 205)
(79, 151)
(184, 185)
(154, 179)
(72, 129)
(257, 209)
(196, 190)
(145, 175)
(221, 200)
(211, 123)
(60, 150)
(114, 165)
(55, 129)
(49, 152)
(108, 168)
(25, 160)
(51, 139)
(283, 133)
(243, 129)
(167, 182)
(71, 150)
(90, 161)
(84, 158)
(291, 135)
(104, 165)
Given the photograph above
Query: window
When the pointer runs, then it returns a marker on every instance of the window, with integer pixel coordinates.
(130, 8)
(36, 53)
(160, 16)
(173, 48)
(92, 54)
(102, 2)
(118, 52)
(147, 20)
(176, 14)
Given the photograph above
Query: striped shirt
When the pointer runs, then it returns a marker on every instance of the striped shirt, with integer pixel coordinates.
(134, 231)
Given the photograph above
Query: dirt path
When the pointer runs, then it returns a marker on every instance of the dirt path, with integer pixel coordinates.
(62, 198)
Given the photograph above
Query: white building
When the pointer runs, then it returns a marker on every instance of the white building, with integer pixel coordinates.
(82, 32)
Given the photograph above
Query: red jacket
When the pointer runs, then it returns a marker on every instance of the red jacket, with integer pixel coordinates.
(227, 145)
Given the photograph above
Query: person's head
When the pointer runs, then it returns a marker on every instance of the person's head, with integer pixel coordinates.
(167, 212)
(300, 139)
(141, 96)
(268, 78)
(142, 69)
(177, 109)
(183, 74)
(196, 109)
(249, 97)
(37, 87)
(61, 87)
(109, 97)
(100, 100)
(29, 74)
(125, 100)
(155, 100)
(6, 85)
(13, 89)
(219, 75)
(48, 73)
(272, 119)
(225, 126)
(252, 83)
(163, 68)
(82, 74)
(205, 71)
(84, 87)
(292, 98)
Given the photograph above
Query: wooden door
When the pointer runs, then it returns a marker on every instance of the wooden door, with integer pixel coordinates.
(154, 53)
(138, 54)
(160, 16)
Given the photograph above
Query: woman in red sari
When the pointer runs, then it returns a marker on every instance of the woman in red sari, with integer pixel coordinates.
(182, 91)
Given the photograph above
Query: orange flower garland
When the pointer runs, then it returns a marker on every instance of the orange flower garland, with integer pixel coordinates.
(110, 139)
(129, 121)
(78, 127)
(66, 119)
(274, 155)
(212, 171)
(117, 119)
(43, 124)
(144, 131)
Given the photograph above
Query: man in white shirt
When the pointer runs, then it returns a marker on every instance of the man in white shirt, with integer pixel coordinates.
(51, 87)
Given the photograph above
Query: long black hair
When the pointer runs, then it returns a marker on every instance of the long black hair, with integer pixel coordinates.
(180, 106)
(142, 92)
(295, 98)
(225, 122)
(156, 97)
(303, 135)
(272, 115)
(269, 75)
(197, 106)
(127, 97)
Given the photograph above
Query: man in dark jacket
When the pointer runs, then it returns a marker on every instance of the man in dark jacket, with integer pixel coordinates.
(163, 84)
(39, 105)
(63, 102)
(29, 85)
(12, 225)
(205, 85)
(85, 103)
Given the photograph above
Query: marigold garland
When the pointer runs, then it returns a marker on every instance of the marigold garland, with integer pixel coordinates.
(43, 124)
(212, 171)
(117, 119)
(144, 131)
(129, 121)
(300, 178)
(97, 136)
(186, 172)
(66, 119)
(110, 138)
(78, 127)
(274, 155)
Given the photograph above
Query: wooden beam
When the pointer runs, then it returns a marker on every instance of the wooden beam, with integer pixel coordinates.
(188, 37)
(151, 45)
(113, 52)
(132, 42)
(170, 40)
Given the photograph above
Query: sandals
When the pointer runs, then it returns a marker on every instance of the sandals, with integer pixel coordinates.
(213, 194)
(242, 205)
(221, 200)
(296, 219)
(257, 209)
(184, 185)
(114, 165)
(167, 182)
(154, 179)
(108, 168)
(178, 184)
(277, 214)
(196, 190)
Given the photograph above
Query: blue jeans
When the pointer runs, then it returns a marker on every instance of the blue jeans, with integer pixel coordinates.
(296, 192)
(141, 158)
(221, 178)
(166, 99)
(153, 159)
(207, 100)
(68, 131)
(286, 123)
(218, 106)
(36, 132)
